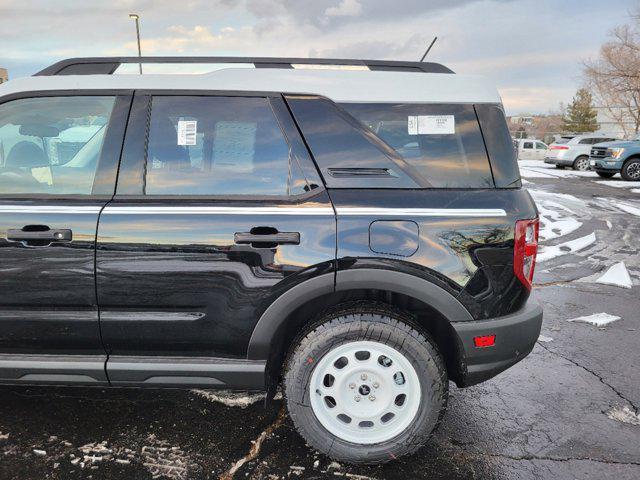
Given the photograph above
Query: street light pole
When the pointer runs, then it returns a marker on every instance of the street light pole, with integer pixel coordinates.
(136, 17)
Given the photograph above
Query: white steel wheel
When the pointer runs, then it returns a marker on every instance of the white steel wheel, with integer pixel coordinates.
(365, 392)
(364, 385)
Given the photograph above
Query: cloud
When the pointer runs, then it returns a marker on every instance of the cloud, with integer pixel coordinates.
(535, 64)
(530, 99)
(346, 8)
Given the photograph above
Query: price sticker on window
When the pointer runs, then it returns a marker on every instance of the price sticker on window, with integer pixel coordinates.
(187, 130)
(431, 124)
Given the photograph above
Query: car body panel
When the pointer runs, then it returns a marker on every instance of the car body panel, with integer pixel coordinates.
(600, 158)
(159, 291)
(575, 149)
(465, 241)
(529, 149)
(176, 283)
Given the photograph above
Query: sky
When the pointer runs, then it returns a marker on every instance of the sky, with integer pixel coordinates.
(532, 49)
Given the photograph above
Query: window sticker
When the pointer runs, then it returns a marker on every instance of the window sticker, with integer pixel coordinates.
(412, 124)
(431, 124)
(187, 130)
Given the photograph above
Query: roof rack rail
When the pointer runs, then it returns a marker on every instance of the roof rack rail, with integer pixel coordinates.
(108, 65)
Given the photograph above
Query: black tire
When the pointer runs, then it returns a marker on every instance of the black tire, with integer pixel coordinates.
(366, 321)
(581, 163)
(631, 170)
(606, 174)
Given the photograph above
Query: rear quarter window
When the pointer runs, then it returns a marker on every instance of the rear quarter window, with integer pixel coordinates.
(504, 164)
(442, 142)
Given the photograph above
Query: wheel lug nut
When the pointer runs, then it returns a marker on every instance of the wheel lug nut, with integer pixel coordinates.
(352, 386)
(357, 398)
(372, 397)
(376, 385)
(363, 376)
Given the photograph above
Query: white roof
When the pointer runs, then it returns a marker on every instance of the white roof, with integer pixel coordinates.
(338, 85)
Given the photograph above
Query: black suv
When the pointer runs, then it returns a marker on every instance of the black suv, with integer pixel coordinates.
(353, 230)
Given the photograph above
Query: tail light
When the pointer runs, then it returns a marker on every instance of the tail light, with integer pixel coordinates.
(525, 250)
(558, 147)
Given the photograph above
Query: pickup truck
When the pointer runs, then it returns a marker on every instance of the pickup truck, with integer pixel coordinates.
(609, 158)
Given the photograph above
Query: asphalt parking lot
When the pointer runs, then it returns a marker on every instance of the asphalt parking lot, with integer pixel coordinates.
(570, 410)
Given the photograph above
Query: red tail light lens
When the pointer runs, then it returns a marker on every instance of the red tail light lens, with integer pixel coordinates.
(484, 341)
(525, 250)
(558, 147)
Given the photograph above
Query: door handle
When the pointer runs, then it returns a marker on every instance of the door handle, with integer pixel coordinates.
(280, 238)
(44, 234)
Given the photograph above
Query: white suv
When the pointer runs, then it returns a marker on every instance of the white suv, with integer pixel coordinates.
(573, 150)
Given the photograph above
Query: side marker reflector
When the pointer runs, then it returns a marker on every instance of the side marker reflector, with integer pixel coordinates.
(484, 341)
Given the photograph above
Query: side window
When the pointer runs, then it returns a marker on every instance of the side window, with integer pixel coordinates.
(497, 138)
(587, 141)
(442, 142)
(52, 145)
(528, 145)
(218, 146)
(540, 146)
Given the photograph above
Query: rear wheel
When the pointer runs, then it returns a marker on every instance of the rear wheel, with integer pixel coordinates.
(581, 163)
(631, 170)
(364, 385)
(606, 174)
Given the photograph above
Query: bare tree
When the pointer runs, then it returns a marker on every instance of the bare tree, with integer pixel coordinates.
(614, 77)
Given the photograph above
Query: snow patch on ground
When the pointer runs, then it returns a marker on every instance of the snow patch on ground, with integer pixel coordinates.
(616, 275)
(625, 207)
(552, 251)
(624, 415)
(165, 461)
(531, 173)
(233, 399)
(609, 225)
(553, 229)
(554, 221)
(229, 398)
(618, 183)
(597, 319)
(635, 190)
(545, 339)
(539, 169)
(568, 199)
(161, 459)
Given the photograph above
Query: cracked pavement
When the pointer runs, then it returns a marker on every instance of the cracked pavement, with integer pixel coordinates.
(555, 415)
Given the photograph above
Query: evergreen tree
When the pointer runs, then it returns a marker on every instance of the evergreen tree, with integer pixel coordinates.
(580, 116)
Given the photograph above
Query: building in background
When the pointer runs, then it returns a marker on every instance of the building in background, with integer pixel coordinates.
(4, 75)
(615, 121)
(541, 127)
(522, 120)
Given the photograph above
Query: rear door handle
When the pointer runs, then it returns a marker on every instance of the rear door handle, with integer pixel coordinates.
(51, 235)
(280, 238)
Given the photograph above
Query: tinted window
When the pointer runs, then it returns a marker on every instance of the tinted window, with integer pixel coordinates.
(528, 145)
(442, 142)
(218, 146)
(495, 131)
(340, 142)
(540, 146)
(587, 141)
(52, 145)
